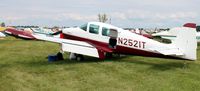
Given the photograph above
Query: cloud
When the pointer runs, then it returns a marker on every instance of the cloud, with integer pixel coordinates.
(80, 17)
(123, 13)
(153, 16)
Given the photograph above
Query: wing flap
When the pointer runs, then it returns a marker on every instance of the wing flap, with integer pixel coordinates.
(80, 47)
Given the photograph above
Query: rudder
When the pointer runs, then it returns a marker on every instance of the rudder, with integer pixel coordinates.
(186, 42)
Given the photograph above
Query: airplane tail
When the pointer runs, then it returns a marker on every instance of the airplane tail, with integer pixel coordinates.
(186, 42)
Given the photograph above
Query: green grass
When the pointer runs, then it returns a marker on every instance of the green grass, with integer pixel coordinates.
(24, 67)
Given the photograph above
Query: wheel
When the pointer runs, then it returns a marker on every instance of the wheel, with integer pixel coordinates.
(79, 57)
(74, 56)
(60, 56)
(109, 55)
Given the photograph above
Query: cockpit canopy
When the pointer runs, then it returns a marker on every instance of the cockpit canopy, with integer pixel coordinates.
(84, 27)
(99, 28)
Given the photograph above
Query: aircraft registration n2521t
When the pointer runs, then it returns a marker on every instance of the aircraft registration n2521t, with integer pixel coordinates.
(96, 39)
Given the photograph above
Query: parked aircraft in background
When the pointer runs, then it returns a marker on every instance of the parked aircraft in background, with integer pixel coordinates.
(44, 32)
(141, 32)
(172, 33)
(19, 33)
(27, 33)
(98, 39)
(2, 34)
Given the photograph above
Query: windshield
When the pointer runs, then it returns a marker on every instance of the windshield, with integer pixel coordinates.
(84, 27)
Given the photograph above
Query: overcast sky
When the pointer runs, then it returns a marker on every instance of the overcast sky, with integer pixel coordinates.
(123, 13)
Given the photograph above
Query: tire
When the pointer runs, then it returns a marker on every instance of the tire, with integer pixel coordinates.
(79, 57)
(109, 55)
(60, 56)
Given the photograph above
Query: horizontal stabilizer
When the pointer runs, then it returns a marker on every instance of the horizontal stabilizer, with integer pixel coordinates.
(175, 52)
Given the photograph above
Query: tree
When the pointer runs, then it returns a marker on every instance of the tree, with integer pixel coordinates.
(3, 24)
(102, 18)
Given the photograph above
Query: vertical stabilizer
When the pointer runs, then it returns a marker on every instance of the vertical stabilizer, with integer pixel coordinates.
(186, 42)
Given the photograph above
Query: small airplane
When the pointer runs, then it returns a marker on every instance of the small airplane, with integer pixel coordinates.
(19, 33)
(27, 33)
(172, 33)
(97, 39)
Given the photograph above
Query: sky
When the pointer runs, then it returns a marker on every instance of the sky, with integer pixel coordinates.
(121, 13)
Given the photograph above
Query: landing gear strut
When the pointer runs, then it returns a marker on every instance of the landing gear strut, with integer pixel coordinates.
(74, 56)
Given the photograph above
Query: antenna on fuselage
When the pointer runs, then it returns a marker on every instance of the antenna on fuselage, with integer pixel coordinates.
(110, 20)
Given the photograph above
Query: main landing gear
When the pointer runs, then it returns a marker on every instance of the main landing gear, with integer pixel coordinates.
(74, 56)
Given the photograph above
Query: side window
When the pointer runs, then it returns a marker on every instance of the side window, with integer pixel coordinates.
(94, 29)
(84, 27)
(105, 31)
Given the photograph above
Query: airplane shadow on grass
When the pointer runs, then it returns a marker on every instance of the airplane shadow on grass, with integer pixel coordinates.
(161, 65)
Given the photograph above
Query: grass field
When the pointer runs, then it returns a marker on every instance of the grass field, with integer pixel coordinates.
(24, 67)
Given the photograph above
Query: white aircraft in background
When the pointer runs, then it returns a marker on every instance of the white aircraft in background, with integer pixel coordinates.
(172, 33)
(41, 31)
(97, 39)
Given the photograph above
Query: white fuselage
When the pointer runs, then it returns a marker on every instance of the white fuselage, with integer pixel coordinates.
(125, 39)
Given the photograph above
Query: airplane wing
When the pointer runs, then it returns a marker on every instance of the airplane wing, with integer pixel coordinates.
(48, 38)
(79, 47)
